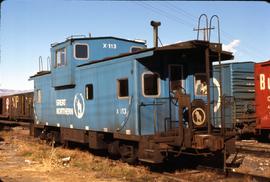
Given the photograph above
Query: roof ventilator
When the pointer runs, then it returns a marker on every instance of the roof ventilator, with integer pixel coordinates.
(75, 37)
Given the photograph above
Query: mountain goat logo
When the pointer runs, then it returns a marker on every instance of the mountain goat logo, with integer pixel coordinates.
(198, 116)
(79, 105)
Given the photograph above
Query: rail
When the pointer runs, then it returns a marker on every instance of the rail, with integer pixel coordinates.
(19, 123)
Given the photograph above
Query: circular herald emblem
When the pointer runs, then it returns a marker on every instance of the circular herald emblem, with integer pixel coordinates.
(198, 116)
(79, 105)
(217, 105)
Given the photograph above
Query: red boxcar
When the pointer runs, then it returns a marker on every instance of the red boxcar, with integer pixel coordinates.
(262, 96)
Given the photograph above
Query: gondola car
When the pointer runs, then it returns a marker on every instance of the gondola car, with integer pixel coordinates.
(145, 105)
(17, 107)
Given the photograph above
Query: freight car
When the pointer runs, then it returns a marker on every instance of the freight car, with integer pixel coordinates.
(238, 86)
(262, 98)
(17, 107)
(144, 105)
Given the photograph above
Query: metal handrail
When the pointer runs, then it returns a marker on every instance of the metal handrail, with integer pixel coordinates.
(48, 63)
(210, 27)
(205, 29)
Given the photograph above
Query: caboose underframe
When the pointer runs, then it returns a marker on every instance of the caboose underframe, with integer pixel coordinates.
(184, 126)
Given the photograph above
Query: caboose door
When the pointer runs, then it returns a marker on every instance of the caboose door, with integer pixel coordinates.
(176, 77)
(157, 111)
(176, 83)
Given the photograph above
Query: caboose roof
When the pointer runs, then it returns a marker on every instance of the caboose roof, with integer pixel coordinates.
(72, 39)
(40, 73)
(188, 47)
(185, 47)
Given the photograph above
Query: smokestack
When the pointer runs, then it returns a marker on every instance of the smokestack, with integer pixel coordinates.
(155, 25)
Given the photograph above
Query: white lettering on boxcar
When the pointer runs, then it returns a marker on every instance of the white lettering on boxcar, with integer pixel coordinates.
(109, 46)
(64, 111)
(61, 107)
(61, 102)
(263, 82)
(122, 111)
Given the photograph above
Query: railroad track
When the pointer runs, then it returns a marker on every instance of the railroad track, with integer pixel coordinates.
(232, 173)
(19, 123)
(251, 161)
(253, 146)
(219, 175)
(184, 176)
(252, 177)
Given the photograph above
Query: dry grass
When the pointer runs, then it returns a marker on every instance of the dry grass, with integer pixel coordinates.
(47, 158)
(45, 162)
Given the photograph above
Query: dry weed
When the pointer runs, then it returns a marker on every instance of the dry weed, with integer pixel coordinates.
(46, 158)
(50, 160)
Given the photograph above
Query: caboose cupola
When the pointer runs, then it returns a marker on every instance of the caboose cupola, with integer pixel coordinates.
(80, 50)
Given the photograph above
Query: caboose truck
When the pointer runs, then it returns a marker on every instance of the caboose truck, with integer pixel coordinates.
(144, 105)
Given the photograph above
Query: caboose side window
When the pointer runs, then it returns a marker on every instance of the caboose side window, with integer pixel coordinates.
(122, 86)
(81, 51)
(136, 49)
(89, 92)
(200, 84)
(60, 57)
(150, 84)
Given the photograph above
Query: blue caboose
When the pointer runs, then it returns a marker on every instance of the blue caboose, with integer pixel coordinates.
(136, 102)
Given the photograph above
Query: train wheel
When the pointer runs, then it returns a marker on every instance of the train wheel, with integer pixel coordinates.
(129, 153)
(113, 149)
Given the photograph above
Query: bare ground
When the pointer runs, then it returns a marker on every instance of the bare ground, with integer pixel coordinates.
(23, 158)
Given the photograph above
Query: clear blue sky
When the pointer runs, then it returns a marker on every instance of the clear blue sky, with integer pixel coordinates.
(28, 27)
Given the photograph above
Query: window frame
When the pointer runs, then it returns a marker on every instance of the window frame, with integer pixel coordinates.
(86, 91)
(130, 50)
(74, 51)
(195, 93)
(65, 60)
(158, 85)
(182, 75)
(118, 88)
